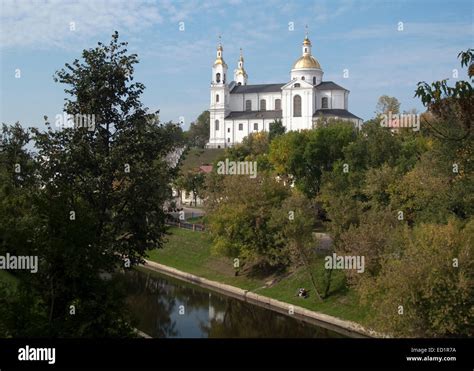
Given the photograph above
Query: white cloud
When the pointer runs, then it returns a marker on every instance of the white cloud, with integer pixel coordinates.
(46, 24)
(411, 30)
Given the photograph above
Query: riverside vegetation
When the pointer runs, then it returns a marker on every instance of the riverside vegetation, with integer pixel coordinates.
(83, 201)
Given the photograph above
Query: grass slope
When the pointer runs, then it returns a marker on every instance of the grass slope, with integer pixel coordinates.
(191, 252)
(197, 157)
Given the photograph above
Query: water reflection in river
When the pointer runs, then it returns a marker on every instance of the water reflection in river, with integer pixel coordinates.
(158, 303)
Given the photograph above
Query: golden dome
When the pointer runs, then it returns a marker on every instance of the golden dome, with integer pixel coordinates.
(306, 61)
(241, 71)
(219, 60)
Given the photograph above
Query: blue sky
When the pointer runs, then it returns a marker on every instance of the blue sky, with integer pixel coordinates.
(175, 66)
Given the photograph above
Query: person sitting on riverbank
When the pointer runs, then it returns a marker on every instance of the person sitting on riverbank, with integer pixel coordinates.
(303, 293)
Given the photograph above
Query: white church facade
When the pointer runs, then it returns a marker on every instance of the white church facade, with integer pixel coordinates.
(238, 109)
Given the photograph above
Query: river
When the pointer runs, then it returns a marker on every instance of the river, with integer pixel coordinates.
(168, 308)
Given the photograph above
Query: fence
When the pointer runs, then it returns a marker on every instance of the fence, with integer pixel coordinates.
(191, 226)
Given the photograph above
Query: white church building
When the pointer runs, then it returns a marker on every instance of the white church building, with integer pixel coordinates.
(238, 109)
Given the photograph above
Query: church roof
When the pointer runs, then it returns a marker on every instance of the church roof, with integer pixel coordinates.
(329, 85)
(335, 113)
(243, 115)
(306, 61)
(260, 88)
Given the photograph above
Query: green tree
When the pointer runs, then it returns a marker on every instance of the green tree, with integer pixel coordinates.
(303, 156)
(198, 133)
(239, 220)
(193, 181)
(99, 200)
(387, 104)
(276, 129)
(294, 222)
(427, 290)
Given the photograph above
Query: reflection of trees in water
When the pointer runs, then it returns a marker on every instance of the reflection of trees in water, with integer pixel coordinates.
(244, 320)
(152, 302)
(155, 300)
(192, 297)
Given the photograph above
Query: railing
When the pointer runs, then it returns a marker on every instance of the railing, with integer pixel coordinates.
(192, 226)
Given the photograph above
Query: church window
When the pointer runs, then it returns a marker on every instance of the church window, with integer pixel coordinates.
(248, 105)
(241, 127)
(255, 126)
(217, 98)
(324, 102)
(239, 83)
(302, 77)
(228, 130)
(296, 106)
(228, 140)
(305, 50)
(217, 124)
(296, 85)
(218, 77)
(277, 104)
(314, 80)
(263, 105)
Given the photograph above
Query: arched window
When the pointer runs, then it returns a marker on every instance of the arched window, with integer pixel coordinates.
(277, 104)
(255, 126)
(218, 77)
(248, 105)
(296, 106)
(324, 102)
(217, 98)
(302, 77)
(263, 105)
(305, 50)
(239, 83)
(314, 80)
(217, 124)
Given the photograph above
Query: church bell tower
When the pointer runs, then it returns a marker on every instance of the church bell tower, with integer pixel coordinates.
(219, 106)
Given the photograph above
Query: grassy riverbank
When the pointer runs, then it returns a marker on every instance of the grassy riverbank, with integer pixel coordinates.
(191, 252)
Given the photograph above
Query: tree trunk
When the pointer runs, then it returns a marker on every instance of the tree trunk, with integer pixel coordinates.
(308, 268)
(328, 284)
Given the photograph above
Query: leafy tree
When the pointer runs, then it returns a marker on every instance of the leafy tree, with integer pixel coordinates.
(387, 104)
(110, 179)
(303, 156)
(193, 181)
(239, 219)
(374, 238)
(294, 222)
(198, 133)
(276, 129)
(427, 291)
(252, 146)
(375, 145)
(453, 105)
